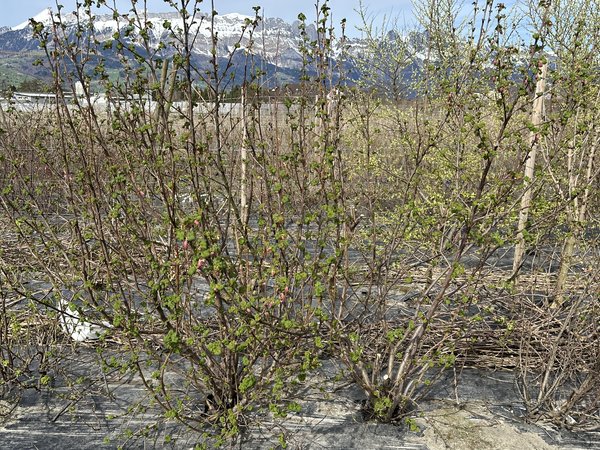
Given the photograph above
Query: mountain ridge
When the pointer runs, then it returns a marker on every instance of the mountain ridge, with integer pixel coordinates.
(276, 46)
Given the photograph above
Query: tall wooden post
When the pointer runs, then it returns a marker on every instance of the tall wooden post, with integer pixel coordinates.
(534, 141)
(244, 162)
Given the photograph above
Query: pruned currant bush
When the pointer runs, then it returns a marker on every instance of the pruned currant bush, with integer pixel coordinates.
(201, 238)
(438, 187)
(558, 374)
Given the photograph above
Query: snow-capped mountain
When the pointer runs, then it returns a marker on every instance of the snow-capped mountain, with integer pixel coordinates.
(276, 47)
(44, 16)
(274, 43)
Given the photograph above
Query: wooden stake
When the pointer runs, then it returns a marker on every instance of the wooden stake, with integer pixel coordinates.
(536, 120)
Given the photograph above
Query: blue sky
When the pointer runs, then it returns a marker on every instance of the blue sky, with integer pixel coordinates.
(16, 12)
